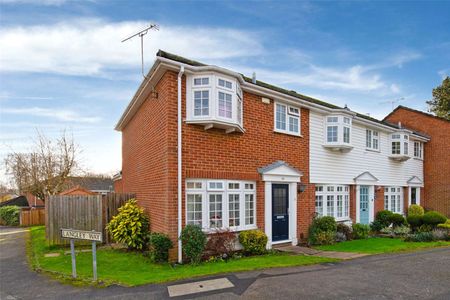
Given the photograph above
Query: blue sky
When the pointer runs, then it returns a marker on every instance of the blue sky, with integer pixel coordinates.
(62, 65)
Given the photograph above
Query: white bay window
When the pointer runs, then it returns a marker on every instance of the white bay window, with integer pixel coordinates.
(338, 132)
(393, 199)
(399, 146)
(333, 200)
(220, 204)
(214, 100)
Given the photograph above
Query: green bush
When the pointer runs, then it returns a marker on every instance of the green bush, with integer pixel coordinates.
(425, 228)
(325, 238)
(221, 243)
(130, 226)
(382, 220)
(415, 221)
(445, 225)
(345, 230)
(420, 237)
(194, 243)
(433, 218)
(440, 235)
(321, 229)
(159, 245)
(360, 231)
(415, 210)
(253, 241)
(10, 215)
(397, 220)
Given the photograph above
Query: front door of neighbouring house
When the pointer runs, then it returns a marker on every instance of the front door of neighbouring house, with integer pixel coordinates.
(280, 212)
(364, 204)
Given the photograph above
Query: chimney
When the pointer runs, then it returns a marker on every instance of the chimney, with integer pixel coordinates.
(399, 124)
(254, 78)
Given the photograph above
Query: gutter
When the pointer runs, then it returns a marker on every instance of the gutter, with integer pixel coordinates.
(179, 144)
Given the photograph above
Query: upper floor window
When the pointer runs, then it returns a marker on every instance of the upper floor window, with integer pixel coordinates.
(287, 119)
(338, 130)
(399, 144)
(372, 139)
(418, 150)
(215, 101)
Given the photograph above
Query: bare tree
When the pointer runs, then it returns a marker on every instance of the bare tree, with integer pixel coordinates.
(44, 170)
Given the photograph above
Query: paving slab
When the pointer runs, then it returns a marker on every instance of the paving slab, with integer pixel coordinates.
(52, 254)
(199, 287)
(340, 255)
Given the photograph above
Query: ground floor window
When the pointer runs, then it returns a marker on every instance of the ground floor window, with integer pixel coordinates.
(393, 199)
(333, 200)
(219, 204)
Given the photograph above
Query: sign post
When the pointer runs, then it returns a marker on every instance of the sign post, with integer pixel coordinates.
(73, 235)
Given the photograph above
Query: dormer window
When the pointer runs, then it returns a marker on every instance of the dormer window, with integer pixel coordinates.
(214, 100)
(338, 130)
(400, 146)
(287, 119)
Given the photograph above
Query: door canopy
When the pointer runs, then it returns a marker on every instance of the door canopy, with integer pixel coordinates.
(280, 171)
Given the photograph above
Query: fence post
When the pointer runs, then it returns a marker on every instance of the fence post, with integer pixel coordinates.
(74, 264)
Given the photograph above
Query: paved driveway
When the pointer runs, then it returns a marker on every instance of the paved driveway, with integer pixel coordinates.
(419, 275)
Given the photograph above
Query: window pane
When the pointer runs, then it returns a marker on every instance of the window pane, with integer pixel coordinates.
(293, 124)
(201, 103)
(395, 147)
(215, 210)
(319, 205)
(332, 134)
(249, 209)
(332, 119)
(233, 207)
(405, 148)
(330, 205)
(225, 105)
(346, 135)
(280, 117)
(194, 209)
(369, 138)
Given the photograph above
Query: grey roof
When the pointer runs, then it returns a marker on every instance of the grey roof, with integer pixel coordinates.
(275, 165)
(92, 183)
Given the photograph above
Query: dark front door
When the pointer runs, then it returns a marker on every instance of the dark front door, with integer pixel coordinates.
(280, 216)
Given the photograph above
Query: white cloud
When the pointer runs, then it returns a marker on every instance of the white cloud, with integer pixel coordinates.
(58, 114)
(92, 46)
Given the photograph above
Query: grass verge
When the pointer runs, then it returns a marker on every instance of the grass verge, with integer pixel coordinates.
(132, 268)
(381, 245)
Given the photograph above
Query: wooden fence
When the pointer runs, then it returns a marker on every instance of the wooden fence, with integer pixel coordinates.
(82, 212)
(32, 216)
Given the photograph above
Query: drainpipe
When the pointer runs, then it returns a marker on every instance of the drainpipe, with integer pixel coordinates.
(180, 253)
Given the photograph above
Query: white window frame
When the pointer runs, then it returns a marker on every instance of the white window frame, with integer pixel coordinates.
(393, 199)
(325, 192)
(403, 139)
(203, 187)
(418, 150)
(340, 122)
(291, 113)
(372, 138)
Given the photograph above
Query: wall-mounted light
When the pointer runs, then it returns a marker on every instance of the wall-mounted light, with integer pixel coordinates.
(301, 187)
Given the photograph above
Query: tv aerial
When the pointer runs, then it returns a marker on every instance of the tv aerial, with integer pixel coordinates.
(393, 102)
(141, 34)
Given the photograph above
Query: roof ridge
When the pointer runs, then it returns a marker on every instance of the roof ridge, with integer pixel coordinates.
(415, 110)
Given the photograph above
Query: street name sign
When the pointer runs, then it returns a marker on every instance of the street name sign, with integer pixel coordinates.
(81, 235)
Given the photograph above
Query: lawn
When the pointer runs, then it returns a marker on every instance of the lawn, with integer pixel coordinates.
(131, 268)
(380, 245)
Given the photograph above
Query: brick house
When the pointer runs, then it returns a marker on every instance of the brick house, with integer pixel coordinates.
(437, 162)
(244, 154)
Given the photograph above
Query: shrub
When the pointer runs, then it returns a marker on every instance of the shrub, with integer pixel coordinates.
(319, 225)
(10, 215)
(433, 218)
(325, 238)
(221, 243)
(346, 230)
(194, 242)
(159, 245)
(360, 231)
(382, 220)
(439, 234)
(415, 210)
(420, 237)
(397, 220)
(425, 228)
(445, 225)
(415, 221)
(401, 230)
(387, 230)
(130, 226)
(376, 226)
(253, 241)
(340, 237)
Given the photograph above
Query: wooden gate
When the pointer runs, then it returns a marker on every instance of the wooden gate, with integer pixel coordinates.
(30, 216)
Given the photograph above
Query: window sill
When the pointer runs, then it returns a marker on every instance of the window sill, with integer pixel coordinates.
(338, 147)
(209, 123)
(373, 150)
(418, 158)
(288, 133)
(399, 157)
(231, 229)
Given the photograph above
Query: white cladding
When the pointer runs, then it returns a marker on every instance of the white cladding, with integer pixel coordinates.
(332, 167)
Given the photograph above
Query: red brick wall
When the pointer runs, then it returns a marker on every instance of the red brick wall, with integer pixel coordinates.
(436, 194)
(353, 199)
(379, 199)
(149, 147)
(118, 186)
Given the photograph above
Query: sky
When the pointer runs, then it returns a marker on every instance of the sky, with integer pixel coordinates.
(63, 65)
